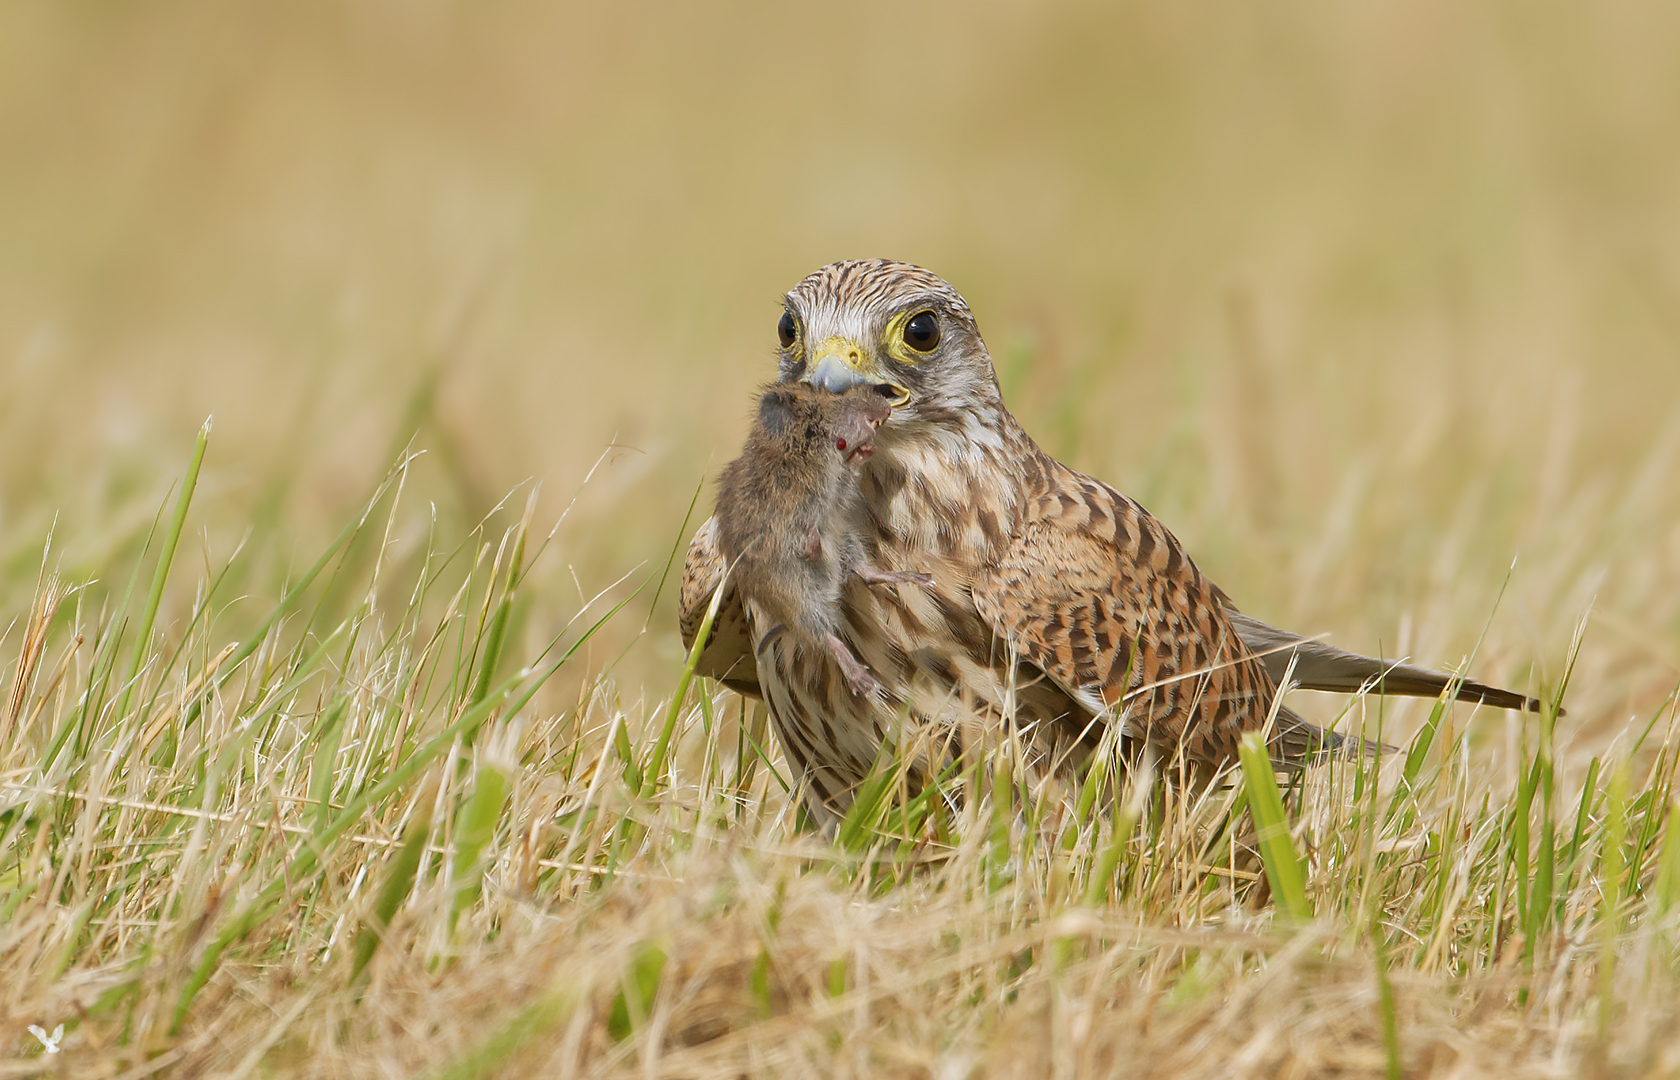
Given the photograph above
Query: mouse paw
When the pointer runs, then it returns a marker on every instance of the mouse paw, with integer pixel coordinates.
(858, 679)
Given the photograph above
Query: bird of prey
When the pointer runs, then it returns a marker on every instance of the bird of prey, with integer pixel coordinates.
(1057, 608)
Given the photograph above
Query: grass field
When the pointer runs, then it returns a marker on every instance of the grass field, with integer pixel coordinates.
(349, 735)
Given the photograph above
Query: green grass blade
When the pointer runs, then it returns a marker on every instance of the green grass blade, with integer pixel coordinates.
(1612, 871)
(1665, 890)
(1127, 815)
(160, 577)
(504, 609)
(655, 771)
(1277, 851)
(1518, 844)
(637, 989)
(1385, 1003)
(399, 881)
(477, 829)
(324, 763)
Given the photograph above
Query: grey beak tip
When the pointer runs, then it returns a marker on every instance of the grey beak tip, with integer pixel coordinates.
(834, 375)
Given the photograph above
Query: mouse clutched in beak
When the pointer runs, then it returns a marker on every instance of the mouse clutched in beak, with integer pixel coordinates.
(841, 365)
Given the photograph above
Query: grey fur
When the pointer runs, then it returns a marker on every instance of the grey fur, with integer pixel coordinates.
(787, 510)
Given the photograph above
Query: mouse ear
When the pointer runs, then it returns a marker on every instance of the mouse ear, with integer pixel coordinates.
(775, 410)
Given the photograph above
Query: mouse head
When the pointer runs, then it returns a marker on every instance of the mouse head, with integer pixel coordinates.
(796, 415)
(854, 416)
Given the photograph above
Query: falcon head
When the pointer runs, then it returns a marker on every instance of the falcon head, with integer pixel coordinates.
(895, 328)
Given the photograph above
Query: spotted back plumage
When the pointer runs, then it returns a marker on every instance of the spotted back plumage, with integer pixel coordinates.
(1057, 606)
(1100, 596)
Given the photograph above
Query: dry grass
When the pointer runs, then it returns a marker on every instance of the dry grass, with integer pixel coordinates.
(1365, 302)
(360, 848)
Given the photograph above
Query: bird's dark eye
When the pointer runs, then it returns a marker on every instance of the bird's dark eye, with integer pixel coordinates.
(922, 332)
(787, 330)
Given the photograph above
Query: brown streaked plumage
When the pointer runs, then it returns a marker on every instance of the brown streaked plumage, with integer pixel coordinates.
(1055, 604)
(787, 518)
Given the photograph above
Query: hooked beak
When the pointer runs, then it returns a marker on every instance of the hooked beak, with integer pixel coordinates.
(842, 364)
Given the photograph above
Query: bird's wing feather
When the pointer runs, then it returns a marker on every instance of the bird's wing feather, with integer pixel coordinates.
(728, 655)
(1319, 666)
(1100, 596)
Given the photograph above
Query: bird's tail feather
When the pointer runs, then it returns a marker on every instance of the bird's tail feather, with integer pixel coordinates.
(1319, 666)
(1295, 743)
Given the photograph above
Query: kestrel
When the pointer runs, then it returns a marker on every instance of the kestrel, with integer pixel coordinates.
(1054, 605)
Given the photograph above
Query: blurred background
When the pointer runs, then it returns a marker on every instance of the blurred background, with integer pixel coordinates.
(1365, 300)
